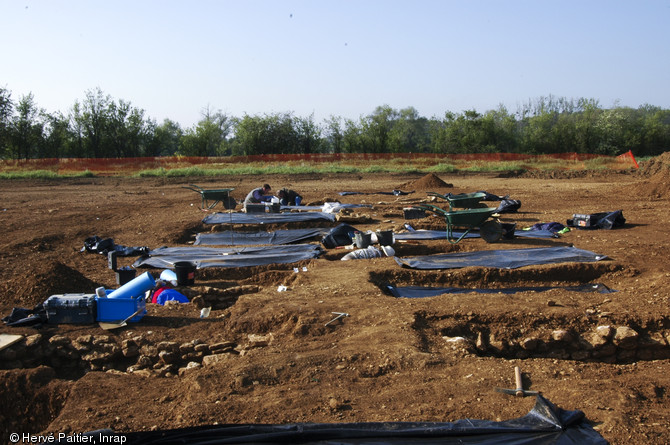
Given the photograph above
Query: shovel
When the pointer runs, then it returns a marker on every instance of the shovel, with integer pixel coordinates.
(109, 325)
(519, 391)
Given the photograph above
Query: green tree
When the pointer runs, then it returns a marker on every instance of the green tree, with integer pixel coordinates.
(334, 136)
(26, 129)
(352, 138)
(90, 123)
(505, 129)
(166, 140)
(586, 129)
(612, 126)
(308, 135)
(376, 129)
(276, 134)
(126, 132)
(57, 136)
(536, 133)
(6, 111)
(209, 136)
(655, 128)
(409, 133)
(449, 134)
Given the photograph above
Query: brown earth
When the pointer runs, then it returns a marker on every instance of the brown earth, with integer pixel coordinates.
(389, 359)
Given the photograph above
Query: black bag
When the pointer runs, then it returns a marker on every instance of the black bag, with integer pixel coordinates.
(339, 236)
(508, 206)
(95, 244)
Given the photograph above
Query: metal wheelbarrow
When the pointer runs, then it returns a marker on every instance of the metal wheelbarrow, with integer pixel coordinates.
(490, 230)
(211, 198)
(462, 200)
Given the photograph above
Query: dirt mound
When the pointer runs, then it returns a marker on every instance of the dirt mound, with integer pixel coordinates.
(34, 395)
(656, 165)
(561, 174)
(657, 170)
(426, 183)
(51, 279)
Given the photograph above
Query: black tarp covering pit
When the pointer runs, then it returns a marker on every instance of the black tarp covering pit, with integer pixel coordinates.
(426, 291)
(278, 237)
(545, 424)
(266, 218)
(166, 257)
(503, 259)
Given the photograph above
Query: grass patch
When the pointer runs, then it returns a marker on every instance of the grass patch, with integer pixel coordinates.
(175, 172)
(440, 168)
(45, 174)
(501, 166)
(220, 167)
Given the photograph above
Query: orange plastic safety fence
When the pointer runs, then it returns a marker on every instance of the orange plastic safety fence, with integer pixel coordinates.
(106, 166)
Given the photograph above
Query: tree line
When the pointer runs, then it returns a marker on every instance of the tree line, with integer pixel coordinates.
(99, 126)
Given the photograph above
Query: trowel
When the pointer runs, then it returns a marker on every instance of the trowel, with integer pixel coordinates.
(109, 325)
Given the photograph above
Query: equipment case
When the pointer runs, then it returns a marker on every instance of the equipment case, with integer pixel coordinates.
(71, 308)
(585, 221)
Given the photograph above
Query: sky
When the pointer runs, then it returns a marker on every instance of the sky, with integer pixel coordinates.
(177, 59)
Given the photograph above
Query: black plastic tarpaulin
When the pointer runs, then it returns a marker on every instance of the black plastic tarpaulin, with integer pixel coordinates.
(425, 235)
(393, 192)
(166, 257)
(503, 259)
(278, 237)
(426, 291)
(103, 246)
(442, 234)
(266, 218)
(328, 207)
(545, 424)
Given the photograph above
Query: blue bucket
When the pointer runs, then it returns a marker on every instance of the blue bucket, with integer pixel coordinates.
(134, 288)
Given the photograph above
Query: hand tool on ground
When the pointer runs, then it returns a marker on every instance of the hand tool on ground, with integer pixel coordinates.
(107, 326)
(519, 391)
(339, 315)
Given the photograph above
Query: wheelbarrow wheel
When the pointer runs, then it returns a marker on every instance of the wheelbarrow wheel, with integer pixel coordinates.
(229, 203)
(491, 231)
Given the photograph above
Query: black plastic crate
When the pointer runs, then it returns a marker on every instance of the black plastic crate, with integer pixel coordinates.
(414, 213)
(255, 208)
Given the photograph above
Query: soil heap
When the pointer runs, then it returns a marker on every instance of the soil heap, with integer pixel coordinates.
(657, 170)
(426, 183)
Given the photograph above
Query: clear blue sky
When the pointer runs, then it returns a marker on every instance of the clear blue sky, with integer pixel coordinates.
(173, 59)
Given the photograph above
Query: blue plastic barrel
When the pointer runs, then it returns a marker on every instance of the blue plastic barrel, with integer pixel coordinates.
(134, 288)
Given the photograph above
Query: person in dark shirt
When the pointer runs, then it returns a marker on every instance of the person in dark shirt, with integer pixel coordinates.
(289, 197)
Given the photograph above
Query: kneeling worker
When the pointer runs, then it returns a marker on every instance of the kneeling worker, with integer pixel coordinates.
(258, 195)
(289, 197)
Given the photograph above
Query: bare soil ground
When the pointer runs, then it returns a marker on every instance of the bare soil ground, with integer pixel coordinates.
(389, 360)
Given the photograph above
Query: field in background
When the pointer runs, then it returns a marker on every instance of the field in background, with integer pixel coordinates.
(301, 163)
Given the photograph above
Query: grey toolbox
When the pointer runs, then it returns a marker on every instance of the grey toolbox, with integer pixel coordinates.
(71, 308)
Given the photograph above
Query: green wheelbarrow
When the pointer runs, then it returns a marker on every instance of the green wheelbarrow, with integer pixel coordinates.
(211, 198)
(490, 230)
(462, 200)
